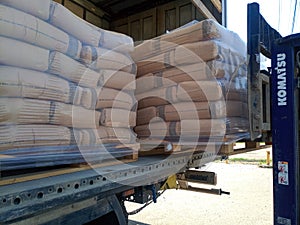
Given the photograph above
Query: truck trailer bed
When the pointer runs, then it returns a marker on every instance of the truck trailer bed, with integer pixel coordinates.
(47, 197)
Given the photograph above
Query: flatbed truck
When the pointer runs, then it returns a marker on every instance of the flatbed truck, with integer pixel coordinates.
(96, 195)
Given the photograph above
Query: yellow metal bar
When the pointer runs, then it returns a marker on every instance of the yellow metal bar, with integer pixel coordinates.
(268, 158)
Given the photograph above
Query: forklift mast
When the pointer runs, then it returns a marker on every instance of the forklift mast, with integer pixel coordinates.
(285, 84)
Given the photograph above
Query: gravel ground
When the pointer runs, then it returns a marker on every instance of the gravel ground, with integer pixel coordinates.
(250, 201)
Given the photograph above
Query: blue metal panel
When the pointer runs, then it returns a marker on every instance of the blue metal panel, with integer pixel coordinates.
(253, 36)
(260, 37)
(285, 130)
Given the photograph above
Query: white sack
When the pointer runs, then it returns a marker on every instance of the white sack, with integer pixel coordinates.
(38, 8)
(19, 25)
(21, 54)
(64, 19)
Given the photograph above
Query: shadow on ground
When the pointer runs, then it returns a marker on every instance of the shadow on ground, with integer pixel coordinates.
(132, 222)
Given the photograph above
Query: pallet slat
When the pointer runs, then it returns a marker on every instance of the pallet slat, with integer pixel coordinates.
(229, 149)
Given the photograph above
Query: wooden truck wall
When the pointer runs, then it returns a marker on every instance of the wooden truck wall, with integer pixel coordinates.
(158, 20)
(86, 11)
(146, 24)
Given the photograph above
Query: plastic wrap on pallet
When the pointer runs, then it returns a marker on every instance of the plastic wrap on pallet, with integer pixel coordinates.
(34, 149)
(195, 74)
(195, 33)
(192, 53)
(22, 26)
(35, 157)
(34, 135)
(21, 136)
(57, 97)
(235, 125)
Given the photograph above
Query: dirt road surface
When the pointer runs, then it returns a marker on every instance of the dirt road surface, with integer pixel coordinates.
(249, 202)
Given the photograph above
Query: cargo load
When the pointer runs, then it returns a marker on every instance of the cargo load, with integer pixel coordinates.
(64, 83)
(192, 85)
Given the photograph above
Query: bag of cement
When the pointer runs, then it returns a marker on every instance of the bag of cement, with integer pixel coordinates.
(193, 53)
(152, 101)
(19, 111)
(183, 128)
(111, 98)
(64, 19)
(70, 69)
(183, 111)
(100, 58)
(38, 8)
(23, 83)
(199, 91)
(21, 54)
(29, 136)
(114, 117)
(119, 80)
(89, 34)
(116, 41)
(193, 111)
(189, 91)
(170, 76)
(22, 26)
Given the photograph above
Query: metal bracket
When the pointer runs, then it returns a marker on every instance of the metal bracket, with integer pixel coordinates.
(264, 81)
(181, 181)
(200, 177)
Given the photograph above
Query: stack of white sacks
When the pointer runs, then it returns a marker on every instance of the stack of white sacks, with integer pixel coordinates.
(63, 81)
(192, 85)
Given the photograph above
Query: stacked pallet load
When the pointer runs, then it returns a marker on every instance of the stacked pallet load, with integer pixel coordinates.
(64, 83)
(192, 86)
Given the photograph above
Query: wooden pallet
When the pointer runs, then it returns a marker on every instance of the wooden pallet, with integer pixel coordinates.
(51, 172)
(157, 147)
(231, 148)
